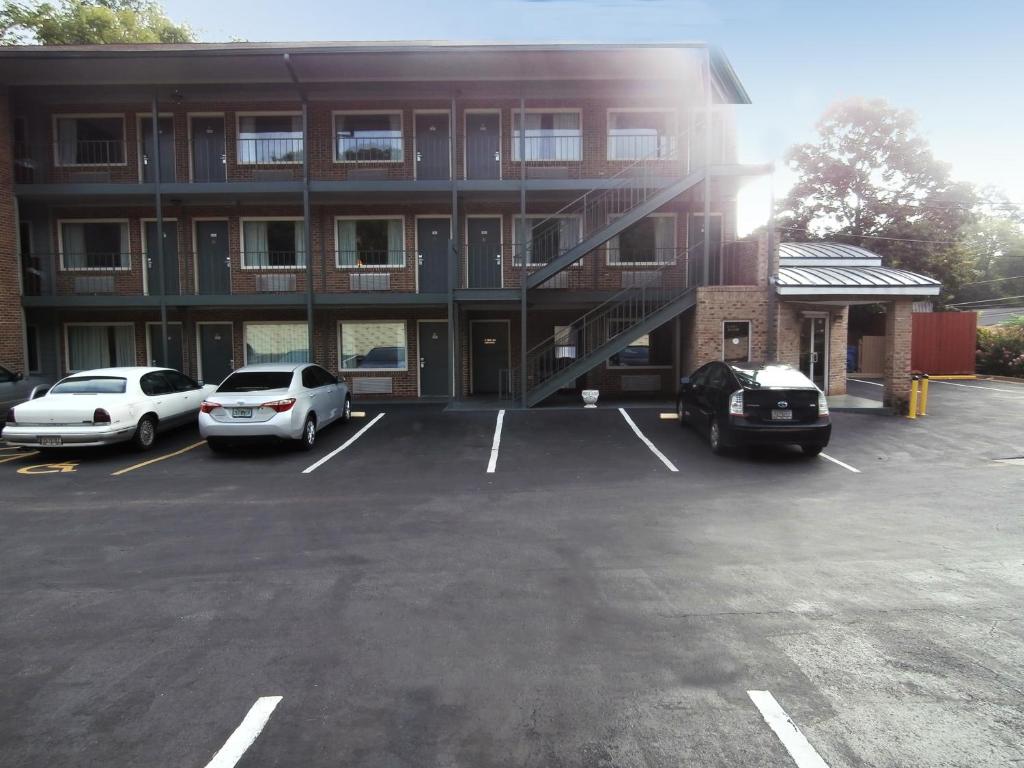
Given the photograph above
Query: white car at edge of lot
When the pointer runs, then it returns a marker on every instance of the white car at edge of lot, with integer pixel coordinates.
(105, 406)
(287, 401)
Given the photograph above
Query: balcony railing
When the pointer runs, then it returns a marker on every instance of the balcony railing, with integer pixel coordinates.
(631, 147)
(369, 150)
(269, 151)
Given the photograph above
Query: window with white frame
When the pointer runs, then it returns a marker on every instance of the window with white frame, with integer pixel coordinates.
(267, 139)
(652, 240)
(273, 243)
(276, 343)
(549, 136)
(363, 136)
(89, 140)
(652, 350)
(543, 238)
(371, 242)
(92, 346)
(372, 345)
(95, 245)
(635, 135)
(735, 340)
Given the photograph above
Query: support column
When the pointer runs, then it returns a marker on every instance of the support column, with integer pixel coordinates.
(453, 261)
(522, 248)
(158, 201)
(706, 275)
(307, 221)
(898, 331)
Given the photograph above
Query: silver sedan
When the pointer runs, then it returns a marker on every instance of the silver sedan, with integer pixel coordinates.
(288, 401)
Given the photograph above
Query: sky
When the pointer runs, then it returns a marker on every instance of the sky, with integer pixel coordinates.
(958, 65)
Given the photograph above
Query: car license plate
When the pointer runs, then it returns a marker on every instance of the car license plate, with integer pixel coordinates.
(780, 415)
(241, 413)
(50, 440)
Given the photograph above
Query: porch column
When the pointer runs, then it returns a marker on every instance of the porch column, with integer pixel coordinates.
(897, 353)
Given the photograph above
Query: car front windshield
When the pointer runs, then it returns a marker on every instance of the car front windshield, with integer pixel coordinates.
(90, 385)
(256, 381)
(771, 377)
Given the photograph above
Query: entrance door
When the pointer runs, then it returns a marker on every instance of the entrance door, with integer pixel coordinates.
(432, 254)
(165, 127)
(208, 154)
(175, 359)
(814, 350)
(433, 153)
(216, 351)
(483, 252)
(432, 343)
(171, 284)
(212, 261)
(489, 349)
(483, 149)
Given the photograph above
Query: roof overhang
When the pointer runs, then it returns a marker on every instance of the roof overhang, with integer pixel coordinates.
(858, 292)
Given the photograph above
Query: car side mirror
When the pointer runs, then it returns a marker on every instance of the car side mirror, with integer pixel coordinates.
(38, 392)
(19, 376)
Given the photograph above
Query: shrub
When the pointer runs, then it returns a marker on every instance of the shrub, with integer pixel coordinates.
(1001, 350)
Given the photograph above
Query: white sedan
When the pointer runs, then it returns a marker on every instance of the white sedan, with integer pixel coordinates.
(286, 401)
(107, 405)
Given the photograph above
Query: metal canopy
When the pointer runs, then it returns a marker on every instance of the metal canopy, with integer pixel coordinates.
(853, 281)
(825, 252)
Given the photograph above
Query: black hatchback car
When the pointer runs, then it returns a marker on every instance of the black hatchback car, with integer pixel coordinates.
(737, 404)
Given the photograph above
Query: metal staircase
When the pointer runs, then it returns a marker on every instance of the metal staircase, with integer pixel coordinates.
(602, 332)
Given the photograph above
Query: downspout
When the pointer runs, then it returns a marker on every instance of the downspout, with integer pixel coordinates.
(453, 262)
(708, 123)
(522, 246)
(306, 215)
(159, 228)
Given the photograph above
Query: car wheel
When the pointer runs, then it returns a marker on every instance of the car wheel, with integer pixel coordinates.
(308, 439)
(715, 438)
(145, 433)
(811, 450)
(346, 413)
(216, 445)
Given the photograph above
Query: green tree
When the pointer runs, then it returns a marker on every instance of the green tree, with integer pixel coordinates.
(996, 244)
(870, 179)
(82, 22)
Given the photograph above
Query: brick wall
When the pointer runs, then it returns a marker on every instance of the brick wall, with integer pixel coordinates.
(702, 341)
(898, 333)
(12, 325)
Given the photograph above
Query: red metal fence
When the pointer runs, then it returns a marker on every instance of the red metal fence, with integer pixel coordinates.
(944, 342)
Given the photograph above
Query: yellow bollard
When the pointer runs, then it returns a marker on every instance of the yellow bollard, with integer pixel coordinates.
(912, 410)
(924, 395)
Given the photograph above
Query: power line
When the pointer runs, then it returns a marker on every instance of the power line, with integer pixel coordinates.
(996, 280)
(985, 301)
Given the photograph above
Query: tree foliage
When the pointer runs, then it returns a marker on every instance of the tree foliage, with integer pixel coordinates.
(83, 22)
(870, 179)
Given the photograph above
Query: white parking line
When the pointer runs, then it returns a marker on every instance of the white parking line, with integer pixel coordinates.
(245, 734)
(842, 464)
(496, 443)
(872, 383)
(343, 446)
(975, 386)
(648, 443)
(803, 754)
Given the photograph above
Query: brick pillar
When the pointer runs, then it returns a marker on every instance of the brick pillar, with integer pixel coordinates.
(897, 354)
(12, 326)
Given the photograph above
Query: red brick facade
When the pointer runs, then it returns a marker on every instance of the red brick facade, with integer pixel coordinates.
(12, 329)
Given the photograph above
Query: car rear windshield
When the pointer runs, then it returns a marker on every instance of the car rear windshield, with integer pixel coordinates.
(772, 376)
(256, 381)
(81, 385)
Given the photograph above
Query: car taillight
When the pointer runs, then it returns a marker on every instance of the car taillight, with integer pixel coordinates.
(736, 403)
(280, 406)
(822, 404)
(208, 407)
(100, 416)
(10, 416)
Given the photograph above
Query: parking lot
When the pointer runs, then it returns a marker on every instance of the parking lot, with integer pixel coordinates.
(608, 594)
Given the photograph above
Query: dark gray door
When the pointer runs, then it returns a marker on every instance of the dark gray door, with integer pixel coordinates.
(483, 149)
(489, 348)
(165, 127)
(212, 260)
(433, 153)
(483, 252)
(433, 347)
(208, 157)
(175, 359)
(216, 350)
(171, 281)
(432, 254)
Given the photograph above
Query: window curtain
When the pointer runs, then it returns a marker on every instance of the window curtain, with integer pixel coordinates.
(347, 256)
(281, 343)
(568, 233)
(255, 246)
(67, 141)
(125, 260)
(567, 136)
(124, 345)
(88, 347)
(395, 255)
(300, 244)
(73, 241)
(664, 239)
